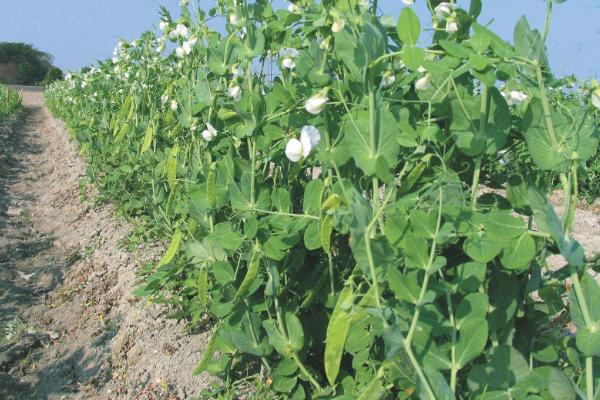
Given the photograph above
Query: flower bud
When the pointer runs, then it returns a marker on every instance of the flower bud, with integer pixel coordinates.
(423, 83)
(451, 26)
(408, 2)
(235, 92)
(338, 25)
(310, 137)
(444, 10)
(316, 103)
(596, 98)
(163, 25)
(173, 105)
(209, 133)
(388, 79)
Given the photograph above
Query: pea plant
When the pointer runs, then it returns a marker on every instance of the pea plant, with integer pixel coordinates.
(318, 173)
(9, 101)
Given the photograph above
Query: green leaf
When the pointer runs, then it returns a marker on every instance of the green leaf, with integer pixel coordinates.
(423, 224)
(223, 272)
(503, 225)
(294, 331)
(312, 197)
(312, 237)
(409, 27)
(276, 339)
(337, 332)
(472, 340)
(560, 386)
(364, 151)
(481, 247)
(518, 253)
(469, 276)
(416, 251)
(576, 136)
(438, 384)
(466, 110)
(474, 305)
(413, 57)
(204, 252)
(529, 43)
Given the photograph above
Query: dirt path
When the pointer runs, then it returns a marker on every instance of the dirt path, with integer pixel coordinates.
(69, 327)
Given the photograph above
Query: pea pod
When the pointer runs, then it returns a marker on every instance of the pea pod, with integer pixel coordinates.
(326, 229)
(147, 139)
(172, 167)
(172, 250)
(337, 332)
(251, 274)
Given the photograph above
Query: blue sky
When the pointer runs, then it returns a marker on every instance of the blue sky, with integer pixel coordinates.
(78, 32)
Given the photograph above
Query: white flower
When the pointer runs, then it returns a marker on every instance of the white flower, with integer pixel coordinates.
(515, 97)
(596, 98)
(444, 10)
(209, 133)
(182, 30)
(294, 9)
(173, 105)
(288, 63)
(451, 27)
(408, 2)
(192, 40)
(184, 3)
(235, 92)
(289, 52)
(310, 137)
(234, 18)
(421, 69)
(173, 34)
(293, 150)
(423, 83)
(115, 60)
(163, 25)
(180, 52)
(388, 79)
(338, 25)
(187, 47)
(83, 84)
(163, 99)
(316, 104)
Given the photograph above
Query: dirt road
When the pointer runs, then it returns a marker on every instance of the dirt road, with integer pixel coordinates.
(69, 327)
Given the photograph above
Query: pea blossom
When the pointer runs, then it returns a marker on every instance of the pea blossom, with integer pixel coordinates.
(209, 133)
(596, 98)
(515, 97)
(294, 9)
(295, 149)
(423, 83)
(408, 2)
(173, 105)
(163, 25)
(316, 103)
(289, 54)
(234, 18)
(235, 92)
(388, 79)
(338, 25)
(451, 26)
(444, 10)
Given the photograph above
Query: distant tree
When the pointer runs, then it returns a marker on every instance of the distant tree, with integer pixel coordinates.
(32, 65)
(53, 74)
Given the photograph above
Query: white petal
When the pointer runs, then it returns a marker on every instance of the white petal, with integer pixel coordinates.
(596, 99)
(316, 104)
(338, 25)
(423, 83)
(288, 63)
(293, 150)
(306, 145)
(312, 133)
(408, 2)
(207, 135)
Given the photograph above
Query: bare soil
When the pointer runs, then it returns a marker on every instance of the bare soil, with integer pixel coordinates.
(74, 329)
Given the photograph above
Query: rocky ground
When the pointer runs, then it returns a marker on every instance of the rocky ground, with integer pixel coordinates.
(69, 326)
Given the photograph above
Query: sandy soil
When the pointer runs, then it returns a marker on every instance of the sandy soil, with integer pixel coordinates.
(66, 283)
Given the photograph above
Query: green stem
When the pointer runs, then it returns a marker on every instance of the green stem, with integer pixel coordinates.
(252, 150)
(454, 369)
(545, 105)
(566, 184)
(331, 274)
(548, 18)
(574, 196)
(483, 118)
(589, 377)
